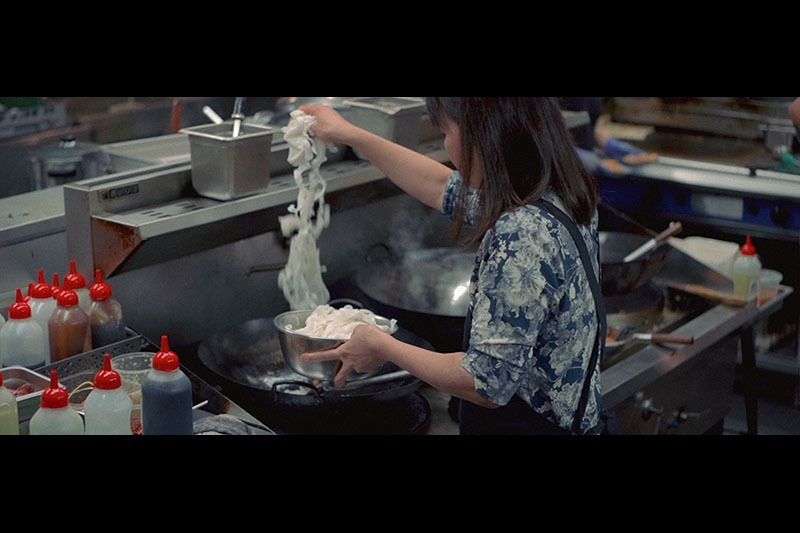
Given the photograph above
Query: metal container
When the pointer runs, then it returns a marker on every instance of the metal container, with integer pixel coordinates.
(17, 376)
(66, 162)
(293, 344)
(225, 167)
(395, 118)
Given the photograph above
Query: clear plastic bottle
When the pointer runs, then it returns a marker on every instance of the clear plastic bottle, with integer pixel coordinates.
(107, 409)
(22, 340)
(42, 306)
(166, 396)
(9, 415)
(55, 415)
(747, 272)
(68, 327)
(74, 281)
(105, 314)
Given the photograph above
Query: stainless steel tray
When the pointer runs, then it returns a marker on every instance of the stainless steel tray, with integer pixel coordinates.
(17, 376)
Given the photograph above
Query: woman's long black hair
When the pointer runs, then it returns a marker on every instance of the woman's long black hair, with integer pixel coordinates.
(523, 146)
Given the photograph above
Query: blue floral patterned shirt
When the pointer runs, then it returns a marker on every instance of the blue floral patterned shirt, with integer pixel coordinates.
(533, 315)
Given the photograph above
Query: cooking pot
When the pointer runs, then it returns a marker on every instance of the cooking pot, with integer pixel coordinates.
(426, 290)
(621, 277)
(248, 358)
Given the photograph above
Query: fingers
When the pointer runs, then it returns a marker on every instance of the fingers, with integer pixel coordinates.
(322, 354)
(340, 379)
(342, 369)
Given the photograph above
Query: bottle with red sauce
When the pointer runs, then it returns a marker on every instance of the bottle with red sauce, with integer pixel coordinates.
(68, 327)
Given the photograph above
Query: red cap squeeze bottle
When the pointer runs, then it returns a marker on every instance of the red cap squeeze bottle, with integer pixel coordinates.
(107, 378)
(55, 288)
(99, 290)
(74, 280)
(165, 360)
(41, 289)
(54, 396)
(19, 309)
(748, 248)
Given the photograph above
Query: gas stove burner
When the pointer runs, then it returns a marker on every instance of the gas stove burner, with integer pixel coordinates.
(639, 308)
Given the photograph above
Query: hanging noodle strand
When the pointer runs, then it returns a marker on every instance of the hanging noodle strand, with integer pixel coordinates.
(301, 279)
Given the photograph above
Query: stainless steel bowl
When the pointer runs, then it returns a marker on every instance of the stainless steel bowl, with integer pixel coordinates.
(293, 344)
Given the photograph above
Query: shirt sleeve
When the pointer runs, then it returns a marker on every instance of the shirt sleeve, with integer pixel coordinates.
(450, 198)
(516, 284)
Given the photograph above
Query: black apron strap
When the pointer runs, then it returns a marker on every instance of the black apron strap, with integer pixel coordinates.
(600, 308)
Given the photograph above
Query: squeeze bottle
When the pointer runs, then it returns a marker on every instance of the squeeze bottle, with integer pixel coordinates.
(107, 409)
(105, 314)
(55, 416)
(747, 272)
(74, 281)
(21, 338)
(55, 288)
(68, 327)
(9, 415)
(42, 306)
(166, 396)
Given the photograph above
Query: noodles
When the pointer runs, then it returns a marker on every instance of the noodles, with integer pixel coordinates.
(301, 279)
(327, 322)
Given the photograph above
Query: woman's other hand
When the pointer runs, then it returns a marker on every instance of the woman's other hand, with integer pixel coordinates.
(361, 353)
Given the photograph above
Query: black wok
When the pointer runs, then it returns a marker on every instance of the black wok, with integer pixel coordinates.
(426, 290)
(620, 277)
(249, 358)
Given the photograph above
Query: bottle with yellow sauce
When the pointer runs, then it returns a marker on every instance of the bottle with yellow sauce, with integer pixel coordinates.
(747, 272)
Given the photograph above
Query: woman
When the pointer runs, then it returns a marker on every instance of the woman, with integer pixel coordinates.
(532, 325)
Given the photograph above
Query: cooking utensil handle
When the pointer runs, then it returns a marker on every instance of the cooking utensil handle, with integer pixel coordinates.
(296, 383)
(673, 229)
(176, 116)
(672, 337)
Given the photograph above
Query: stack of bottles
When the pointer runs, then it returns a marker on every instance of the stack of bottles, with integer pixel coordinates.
(166, 403)
(59, 320)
